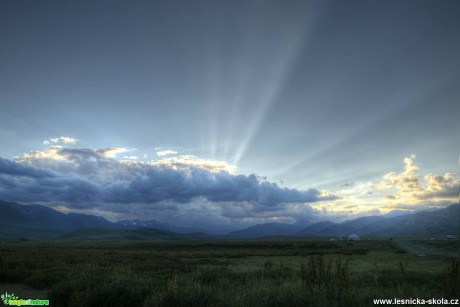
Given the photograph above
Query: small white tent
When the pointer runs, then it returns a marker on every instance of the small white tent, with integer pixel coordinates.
(353, 237)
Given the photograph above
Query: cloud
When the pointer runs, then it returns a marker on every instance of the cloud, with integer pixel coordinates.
(189, 161)
(440, 186)
(411, 189)
(30, 184)
(131, 157)
(81, 178)
(389, 197)
(157, 183)
(166, 152)
(61, 139)
(76, 191)
(11, 168)
(99, 165)
(112, 152)
(102, 163)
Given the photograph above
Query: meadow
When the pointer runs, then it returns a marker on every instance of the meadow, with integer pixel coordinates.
(276, 272)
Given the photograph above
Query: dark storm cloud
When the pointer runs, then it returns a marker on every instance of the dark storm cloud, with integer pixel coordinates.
(79, 192)
(160, 183)
(8, 167)
(86, 177)
(31, 184)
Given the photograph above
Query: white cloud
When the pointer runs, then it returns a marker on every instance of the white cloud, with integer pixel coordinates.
(61, 139)
(112, 152)
(186, 161)
(408, 188)
(162, 153)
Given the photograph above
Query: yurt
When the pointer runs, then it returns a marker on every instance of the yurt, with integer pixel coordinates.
(353, 237)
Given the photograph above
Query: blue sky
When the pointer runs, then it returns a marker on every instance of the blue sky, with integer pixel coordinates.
(321, 100)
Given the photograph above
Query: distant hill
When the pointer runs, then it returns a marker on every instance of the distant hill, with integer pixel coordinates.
(36, 221)
(40, 222)
(324, 229)
(265, 230)
(143, 234)
(304, 223)
(132, 224)
(37, 216)
(439, 222)
(394, 213)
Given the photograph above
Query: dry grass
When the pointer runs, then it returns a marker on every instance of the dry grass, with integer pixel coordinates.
(252, 273)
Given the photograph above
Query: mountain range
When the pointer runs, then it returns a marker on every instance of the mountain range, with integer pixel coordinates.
(438, 222)
(38, 222)
(132, 224)
(138, 234)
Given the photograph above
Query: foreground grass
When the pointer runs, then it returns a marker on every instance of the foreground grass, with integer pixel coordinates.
(253, 273)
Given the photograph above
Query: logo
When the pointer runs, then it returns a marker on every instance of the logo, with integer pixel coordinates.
(11, 300)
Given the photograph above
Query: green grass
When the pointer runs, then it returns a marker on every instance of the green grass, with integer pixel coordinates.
(228, 273)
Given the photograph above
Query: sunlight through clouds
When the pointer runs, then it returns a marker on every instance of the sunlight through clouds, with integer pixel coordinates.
(410, 188)
(284, 54)
(243, 83)
(221, 110)
(186, 161)
(103, 180)
(112, 152)
(97, 179)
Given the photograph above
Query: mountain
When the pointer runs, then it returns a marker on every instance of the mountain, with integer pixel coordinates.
(40, 222)
(43, 217)
(304, 223)
(397, 213)
(323, 229)
(340, 229)
(132, 224)
(140, 234)
(36, 221)
(265, 230)
(438, 222)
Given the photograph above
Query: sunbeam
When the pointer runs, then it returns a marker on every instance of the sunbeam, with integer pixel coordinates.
(286, 47)
(244, 78)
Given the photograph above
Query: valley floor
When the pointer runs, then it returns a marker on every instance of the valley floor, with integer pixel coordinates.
(230, 273)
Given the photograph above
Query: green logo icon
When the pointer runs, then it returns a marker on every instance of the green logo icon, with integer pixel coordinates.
(12, 300)
(7, 297)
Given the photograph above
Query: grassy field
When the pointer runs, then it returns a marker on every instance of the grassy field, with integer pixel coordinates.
(230, 273)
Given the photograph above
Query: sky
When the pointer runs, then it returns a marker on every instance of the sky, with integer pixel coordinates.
(225, 114)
